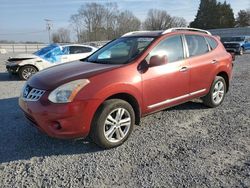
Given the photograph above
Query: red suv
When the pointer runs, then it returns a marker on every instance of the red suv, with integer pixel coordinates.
(140, 73)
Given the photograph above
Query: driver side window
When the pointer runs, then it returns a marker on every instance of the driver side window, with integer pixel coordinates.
(171, 47)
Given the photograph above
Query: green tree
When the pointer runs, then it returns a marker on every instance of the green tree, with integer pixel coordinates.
(212, 14)
(225, 15)
(206, 17)
(243, 18)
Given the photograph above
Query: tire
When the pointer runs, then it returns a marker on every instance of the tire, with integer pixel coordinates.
(216, 94)
(26, 72)
(106, 125)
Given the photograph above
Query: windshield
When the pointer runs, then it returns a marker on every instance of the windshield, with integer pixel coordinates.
(232, 39)
(121, 51)
(46, 49)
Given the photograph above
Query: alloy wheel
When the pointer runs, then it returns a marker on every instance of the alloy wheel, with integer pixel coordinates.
(218, 93)
(28, 72)
(117, 125)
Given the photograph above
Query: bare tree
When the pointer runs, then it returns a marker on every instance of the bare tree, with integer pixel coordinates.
(178, 22)
(157, 20)
(102, 22)
(126, 22)
(111, 15)
(61, 36)
(77, 26)
(93, 15)
(160, 20)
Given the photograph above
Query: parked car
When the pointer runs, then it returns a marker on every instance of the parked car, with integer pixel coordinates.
(238, 44)
(130, 77)
(28, 64)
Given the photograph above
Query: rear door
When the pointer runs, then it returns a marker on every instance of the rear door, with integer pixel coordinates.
(202, 62)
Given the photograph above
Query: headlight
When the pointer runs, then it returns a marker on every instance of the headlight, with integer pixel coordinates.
(67, 92)
(13, 62)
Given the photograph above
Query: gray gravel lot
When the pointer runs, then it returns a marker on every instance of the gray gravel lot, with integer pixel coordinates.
(185, 146)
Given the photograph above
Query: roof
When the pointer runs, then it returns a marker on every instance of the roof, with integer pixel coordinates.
(65, 45)
(159, 33)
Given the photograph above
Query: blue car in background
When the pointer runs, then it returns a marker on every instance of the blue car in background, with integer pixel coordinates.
(25, 65)
(237, 44)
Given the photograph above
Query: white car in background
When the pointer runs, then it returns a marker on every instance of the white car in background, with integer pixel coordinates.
(25, 65)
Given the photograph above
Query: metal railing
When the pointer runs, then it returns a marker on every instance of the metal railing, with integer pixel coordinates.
(21, 48)
(30, 48)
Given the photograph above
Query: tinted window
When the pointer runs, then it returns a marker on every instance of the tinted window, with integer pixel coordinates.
(197, 45)
(171, 47)
(213, 44)
(65, 50)
(79, 49)
(121, 51)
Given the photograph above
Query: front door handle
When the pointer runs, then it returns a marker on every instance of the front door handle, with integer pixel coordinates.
(183, 69)
(214, 62)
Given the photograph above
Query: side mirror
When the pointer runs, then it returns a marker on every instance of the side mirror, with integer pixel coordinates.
(158, 60)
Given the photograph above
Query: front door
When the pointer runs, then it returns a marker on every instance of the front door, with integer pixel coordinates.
(166, 84)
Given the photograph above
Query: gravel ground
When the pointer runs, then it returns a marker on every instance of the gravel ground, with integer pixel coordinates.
(185, 146)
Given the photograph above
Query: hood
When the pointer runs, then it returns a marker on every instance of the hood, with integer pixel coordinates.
(22, 57)
(50, 78)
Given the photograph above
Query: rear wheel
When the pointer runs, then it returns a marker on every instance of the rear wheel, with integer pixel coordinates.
(216, 94)
(26, 72)
(113, 123)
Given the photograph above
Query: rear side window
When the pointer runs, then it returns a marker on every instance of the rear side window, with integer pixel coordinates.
(171, 47)
(197, 45)
(212, 43)
(79, 49)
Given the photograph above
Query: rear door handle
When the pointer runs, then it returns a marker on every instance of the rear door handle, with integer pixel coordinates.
(214, 62)
(183, 69)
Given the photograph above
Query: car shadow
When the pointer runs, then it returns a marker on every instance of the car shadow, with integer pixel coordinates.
(196, 104)
(20, 141)
(5, 76)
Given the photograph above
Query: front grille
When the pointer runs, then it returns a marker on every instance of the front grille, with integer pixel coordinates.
(32, 94)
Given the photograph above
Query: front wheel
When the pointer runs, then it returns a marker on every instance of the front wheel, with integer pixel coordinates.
(216, 94)
(113, 123)
(26, 72)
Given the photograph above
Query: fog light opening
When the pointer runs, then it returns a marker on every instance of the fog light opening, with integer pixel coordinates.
(57, 126)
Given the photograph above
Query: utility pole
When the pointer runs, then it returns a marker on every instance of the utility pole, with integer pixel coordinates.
(48, 27)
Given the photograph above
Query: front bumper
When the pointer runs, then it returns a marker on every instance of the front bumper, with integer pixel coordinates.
(234, 50)
(71, 120)
(12, 68)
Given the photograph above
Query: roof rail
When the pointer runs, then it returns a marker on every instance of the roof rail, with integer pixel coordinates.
(133, 32)
(185, 29)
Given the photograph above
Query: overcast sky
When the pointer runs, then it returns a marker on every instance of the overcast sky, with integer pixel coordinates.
(23, 20)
